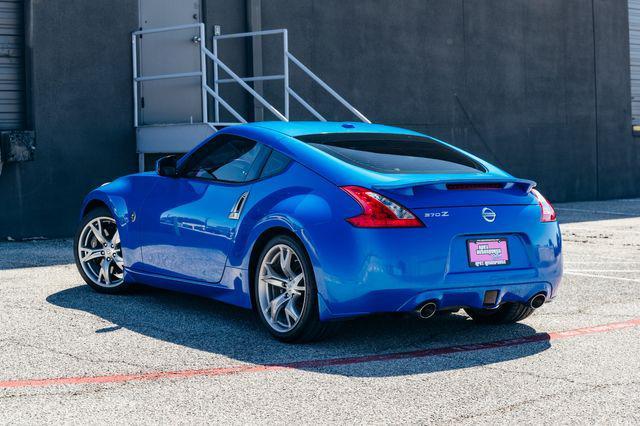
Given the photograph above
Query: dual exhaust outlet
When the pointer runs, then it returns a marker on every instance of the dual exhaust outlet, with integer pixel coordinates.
(427, 310)
(430, 308)
(537, 301)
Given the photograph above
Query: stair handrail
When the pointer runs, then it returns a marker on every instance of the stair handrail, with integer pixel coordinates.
(244, 85)
(214, 92)
(288, 56)
(328, 88)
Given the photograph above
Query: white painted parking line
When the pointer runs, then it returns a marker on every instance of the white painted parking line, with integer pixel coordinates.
(602, 270)
(621, 262)
(566, 209)
(602, 276)
(601, 263)
(571, 227)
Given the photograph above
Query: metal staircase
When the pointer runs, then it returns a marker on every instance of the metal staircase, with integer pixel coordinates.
(181, 137)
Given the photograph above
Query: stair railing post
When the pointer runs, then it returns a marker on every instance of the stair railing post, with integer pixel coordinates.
(203, 80)
(215, 78)
(134, 53)
(285, 46)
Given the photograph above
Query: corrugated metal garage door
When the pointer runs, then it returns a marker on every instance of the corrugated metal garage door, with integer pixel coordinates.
(634, 39)
(12, 75)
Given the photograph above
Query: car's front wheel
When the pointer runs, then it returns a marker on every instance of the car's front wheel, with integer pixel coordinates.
(98, 252)
(285, 292)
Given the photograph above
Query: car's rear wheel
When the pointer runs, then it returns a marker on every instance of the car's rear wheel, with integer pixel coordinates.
(507, 313)
(98, 252)
(285, 292)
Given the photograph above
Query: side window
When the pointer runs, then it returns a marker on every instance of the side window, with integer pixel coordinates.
(275, 164)
(226, 158)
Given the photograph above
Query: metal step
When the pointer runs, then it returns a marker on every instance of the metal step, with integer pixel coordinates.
(170, 139)
(161, 138)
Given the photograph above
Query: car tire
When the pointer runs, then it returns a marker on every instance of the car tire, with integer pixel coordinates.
(507, 313)
(273, 286)
(100, 266)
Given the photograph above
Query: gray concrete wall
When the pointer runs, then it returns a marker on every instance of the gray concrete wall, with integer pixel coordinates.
(81, 110)
(617, 153)
(540, 87)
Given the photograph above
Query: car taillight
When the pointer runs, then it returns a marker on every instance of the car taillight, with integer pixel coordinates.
(548, 213)
(474, 186)
(379, 211)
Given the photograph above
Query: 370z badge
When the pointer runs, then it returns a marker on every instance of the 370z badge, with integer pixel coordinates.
(437, 214)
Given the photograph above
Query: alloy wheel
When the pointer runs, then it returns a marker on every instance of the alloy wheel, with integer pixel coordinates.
(281, 288)
(100, 253)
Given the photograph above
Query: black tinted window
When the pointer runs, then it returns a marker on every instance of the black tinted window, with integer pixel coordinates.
(226, 158)
(275, 164)
(386, 153)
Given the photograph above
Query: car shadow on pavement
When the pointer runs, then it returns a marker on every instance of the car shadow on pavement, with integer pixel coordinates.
(224, 330)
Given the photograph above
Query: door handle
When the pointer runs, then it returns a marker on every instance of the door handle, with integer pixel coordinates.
(236, 210)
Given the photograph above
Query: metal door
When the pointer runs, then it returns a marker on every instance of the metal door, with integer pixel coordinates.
(170, 100)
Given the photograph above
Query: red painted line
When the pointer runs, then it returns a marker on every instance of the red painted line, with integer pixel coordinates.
(319, 363)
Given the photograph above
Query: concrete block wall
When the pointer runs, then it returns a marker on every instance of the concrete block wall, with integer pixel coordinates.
(540, 87)
(80, 108)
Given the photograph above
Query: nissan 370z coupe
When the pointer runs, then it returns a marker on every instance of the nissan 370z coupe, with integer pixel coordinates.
(309, 223)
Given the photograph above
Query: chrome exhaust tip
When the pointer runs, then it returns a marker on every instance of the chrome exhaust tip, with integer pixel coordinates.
(537, 300)
(427, 310)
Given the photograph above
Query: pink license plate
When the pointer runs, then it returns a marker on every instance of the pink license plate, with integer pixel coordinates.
(492, 252)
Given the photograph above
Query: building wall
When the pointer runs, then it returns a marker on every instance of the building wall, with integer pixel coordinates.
(618, 153)
(539, 87)
(80, 108)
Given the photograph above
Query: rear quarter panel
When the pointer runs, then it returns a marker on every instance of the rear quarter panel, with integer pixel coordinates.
(296, 200)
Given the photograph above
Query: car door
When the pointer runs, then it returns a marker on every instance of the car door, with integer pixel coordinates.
(188, 222)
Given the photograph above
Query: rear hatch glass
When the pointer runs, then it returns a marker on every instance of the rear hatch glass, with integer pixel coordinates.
(426, 173)
(394, 154)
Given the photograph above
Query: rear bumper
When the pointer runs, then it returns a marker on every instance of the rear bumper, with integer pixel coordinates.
(463, 297)
(397, 270)
(473, 297)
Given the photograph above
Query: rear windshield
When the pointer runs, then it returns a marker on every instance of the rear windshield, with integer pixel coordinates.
(387, 153)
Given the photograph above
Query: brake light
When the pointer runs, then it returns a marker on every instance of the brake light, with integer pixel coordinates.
(474, 186)
(548, 213)
(379, 211)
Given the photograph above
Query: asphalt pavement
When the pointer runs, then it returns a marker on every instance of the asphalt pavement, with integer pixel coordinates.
(70, 355)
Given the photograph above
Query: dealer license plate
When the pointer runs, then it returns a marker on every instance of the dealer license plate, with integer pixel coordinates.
(488, 252)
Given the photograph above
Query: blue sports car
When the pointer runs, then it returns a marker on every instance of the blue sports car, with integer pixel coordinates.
(311, 223)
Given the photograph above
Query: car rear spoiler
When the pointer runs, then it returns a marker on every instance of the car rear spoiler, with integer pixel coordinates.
(524, 185)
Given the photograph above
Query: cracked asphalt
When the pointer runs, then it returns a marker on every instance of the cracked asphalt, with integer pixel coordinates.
(69, 355)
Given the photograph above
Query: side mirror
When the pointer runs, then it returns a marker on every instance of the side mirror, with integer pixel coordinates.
(167, 166)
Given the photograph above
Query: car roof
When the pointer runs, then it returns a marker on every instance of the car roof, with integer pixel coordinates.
(299, 128)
